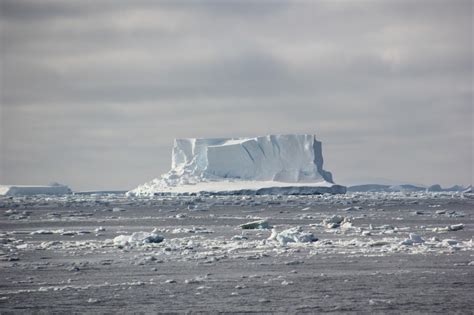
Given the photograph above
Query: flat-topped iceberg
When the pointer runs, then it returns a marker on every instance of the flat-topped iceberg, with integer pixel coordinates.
(25, 190)
(284, 164)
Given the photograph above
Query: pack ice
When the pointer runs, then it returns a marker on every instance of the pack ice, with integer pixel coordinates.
(283, 164)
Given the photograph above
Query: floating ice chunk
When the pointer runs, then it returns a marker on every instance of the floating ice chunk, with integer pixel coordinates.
(449, 242)
(337, 221)
(441, 229)
(334, 219)
(382, 227)
(453, 227)
(346, 224)
(43, 232)
(349, 209)
(239, 238)
(99, 229)
(333, 222)
(194, 229)
(293, 235)
(137, 238)
(416, 238)
(413, 239)
(260, 225)
(456, 227)
(379, 243)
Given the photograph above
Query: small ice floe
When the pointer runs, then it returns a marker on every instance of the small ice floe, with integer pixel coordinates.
(379, 243)
(456, 227)
(239, 238)
(99, 229)
(384, 227)
(68, 233)
(350, 209)
(196, 280)
(60, 232)
(453, 227)
(333, 222)
(137, 238)
(194, 207)
(449, 242)
(449, 213)
(412, 240)
(194, 229)
(44, 232)
(22, 246)
(256, 225)
(292, 235)
(346, 224)
(374, 302)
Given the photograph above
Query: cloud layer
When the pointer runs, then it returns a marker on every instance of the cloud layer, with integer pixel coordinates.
(93, 92)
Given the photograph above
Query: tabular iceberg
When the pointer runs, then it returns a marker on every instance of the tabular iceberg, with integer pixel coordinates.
(24, 190)
(284, 164)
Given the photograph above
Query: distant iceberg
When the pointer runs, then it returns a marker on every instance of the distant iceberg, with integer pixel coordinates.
(273, 164)
(25, 190)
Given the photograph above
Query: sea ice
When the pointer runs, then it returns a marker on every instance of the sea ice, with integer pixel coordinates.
(413, 239)
(260, 224)
(293, 235)
(137, 238)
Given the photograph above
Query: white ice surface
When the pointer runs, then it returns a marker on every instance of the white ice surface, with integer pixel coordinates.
(236, 164)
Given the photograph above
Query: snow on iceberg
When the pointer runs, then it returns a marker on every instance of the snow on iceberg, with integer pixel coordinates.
(24, 190)
(283, 164)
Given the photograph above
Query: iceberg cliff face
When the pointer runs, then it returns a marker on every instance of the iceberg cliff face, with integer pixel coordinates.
(242, 164)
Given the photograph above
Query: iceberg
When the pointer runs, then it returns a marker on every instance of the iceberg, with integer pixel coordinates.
(25, 190)
(273, 164)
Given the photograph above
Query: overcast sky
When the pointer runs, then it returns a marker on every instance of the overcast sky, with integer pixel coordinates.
(94, 92)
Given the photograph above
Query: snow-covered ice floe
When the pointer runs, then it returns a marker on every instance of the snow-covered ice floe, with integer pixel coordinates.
(137, 238)
(24, 190)
(292, 235)
(274, 164)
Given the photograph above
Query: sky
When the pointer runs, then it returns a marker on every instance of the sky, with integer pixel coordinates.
(92, 93)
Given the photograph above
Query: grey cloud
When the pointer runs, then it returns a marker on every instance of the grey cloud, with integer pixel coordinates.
(94, 92)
